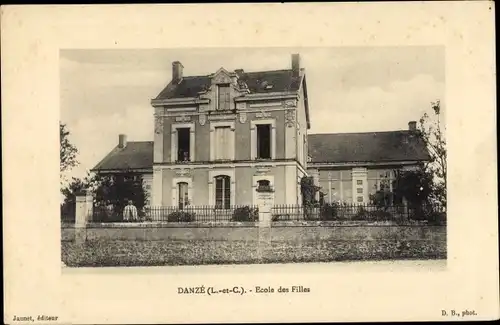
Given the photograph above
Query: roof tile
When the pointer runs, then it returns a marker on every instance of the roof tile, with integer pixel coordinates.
(136, 155)
(367, 147)
(190, 86)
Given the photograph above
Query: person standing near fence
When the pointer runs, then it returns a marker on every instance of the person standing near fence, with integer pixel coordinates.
(130, 212)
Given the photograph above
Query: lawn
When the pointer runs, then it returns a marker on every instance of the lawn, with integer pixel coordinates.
(199, 252)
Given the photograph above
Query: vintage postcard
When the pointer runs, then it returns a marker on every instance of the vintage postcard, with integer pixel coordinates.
(250, 163)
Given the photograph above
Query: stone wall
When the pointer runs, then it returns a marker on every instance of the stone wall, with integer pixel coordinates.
(249, 231)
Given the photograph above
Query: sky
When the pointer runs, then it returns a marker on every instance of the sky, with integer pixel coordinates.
(351, 89)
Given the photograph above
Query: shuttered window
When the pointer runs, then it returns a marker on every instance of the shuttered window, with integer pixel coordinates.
(223, 145)
(223, 101)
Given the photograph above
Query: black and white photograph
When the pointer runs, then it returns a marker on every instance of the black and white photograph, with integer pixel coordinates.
(252, 155)
(249, 163)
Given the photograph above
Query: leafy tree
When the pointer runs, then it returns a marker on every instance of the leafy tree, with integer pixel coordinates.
(116, 190)
(108, 190)
(67, 151)
(433, 135)
(70, 191)
(415, 186)
(308, 190)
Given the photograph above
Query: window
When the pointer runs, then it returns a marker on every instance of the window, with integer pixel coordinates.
(360, 199)
(182, 194)
(263, 183)
(264, 141)
(346, 190)
(384, 181)
(222, 192)
(222, 143)
(359, 190)
(183, 144)
(359, 182)
(223, 97)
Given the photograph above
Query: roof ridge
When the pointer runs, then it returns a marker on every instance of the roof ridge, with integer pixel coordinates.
(279, 70)
(244, 72)
(350, 133)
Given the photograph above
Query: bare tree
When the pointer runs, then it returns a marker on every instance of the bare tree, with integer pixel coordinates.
(433, 134)
(68, 151)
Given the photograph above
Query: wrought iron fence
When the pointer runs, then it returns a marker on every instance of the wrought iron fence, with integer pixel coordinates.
(237, 213)
(68, 213)
(357, 212)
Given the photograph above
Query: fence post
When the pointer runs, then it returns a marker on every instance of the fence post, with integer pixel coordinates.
(83, 213)
(265, 202)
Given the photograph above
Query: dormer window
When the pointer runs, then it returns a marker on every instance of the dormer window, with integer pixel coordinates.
(223, 99)
(266, 85)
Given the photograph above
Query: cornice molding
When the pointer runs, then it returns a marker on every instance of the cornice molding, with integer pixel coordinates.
(362, 164)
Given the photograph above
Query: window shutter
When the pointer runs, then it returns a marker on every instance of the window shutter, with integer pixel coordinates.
(227, 99)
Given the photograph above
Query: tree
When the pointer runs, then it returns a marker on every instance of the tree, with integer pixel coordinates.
(415, 186)
(67, 151)
(75, 186)
(116, 190)
(108, 191)
(308, 190)
(433, 135)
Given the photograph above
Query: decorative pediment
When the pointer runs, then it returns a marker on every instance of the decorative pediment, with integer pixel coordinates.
(221, 77)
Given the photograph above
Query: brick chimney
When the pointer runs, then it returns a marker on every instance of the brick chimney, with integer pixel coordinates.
(296, 65)
(122, 141)
(412, 126)
(177, 68)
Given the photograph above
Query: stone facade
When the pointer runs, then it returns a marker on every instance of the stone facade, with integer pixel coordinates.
(284, 113)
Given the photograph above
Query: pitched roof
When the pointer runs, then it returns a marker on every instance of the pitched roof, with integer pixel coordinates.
(190, 86)
(135, 155)
(367, 147)
(323, 148)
